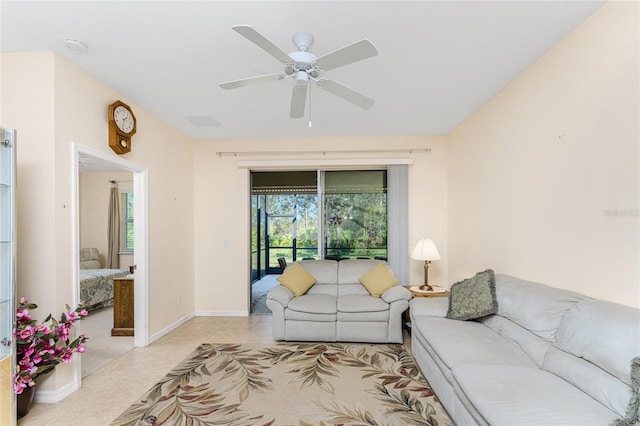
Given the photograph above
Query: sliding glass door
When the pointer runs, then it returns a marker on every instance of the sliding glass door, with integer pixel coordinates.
(295, 218)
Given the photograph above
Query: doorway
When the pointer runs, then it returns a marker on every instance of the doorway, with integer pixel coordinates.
(130, 174)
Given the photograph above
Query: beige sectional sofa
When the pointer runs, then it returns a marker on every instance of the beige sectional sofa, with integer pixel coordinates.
(338, 307)
(547, 357)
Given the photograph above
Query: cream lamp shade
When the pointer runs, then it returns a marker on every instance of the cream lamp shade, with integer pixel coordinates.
(425, 250)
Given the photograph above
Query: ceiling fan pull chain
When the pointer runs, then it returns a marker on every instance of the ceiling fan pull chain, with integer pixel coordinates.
(310, 104)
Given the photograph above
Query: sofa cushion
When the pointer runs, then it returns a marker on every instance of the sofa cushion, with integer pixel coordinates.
(396, 293)
(297, 279)
(362, 308)
(452, 343)
(474, 297)
(514, 395)
(535, 346)
(291, 315)
(536, 307)
(593, 350)
(313, 304)
(357, 303)
(429, 306)
(326, 272)
(280, 294)
(606, 334)
(378, 280)
(350, 270)
(364, 317)
(593, 381)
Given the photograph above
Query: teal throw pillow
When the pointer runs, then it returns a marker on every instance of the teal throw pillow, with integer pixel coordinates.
(474, 297)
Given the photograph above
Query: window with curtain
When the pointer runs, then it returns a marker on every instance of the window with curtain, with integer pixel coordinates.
(126, 222)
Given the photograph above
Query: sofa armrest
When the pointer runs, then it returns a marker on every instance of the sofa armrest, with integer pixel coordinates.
(429, 306)
(396, 293)
(280, 294)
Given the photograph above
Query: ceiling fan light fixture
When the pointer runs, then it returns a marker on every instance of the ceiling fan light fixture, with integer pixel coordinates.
(302, 78)
(289, 69)
(303, 60)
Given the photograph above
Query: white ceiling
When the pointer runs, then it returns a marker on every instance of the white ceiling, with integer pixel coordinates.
(438, 61)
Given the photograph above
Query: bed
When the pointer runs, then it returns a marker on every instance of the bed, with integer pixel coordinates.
(96, 284)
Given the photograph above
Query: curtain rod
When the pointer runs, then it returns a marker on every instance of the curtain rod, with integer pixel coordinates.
(323, 152)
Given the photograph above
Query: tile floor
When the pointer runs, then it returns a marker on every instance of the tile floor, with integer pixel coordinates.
(103, 347)
(111, 389)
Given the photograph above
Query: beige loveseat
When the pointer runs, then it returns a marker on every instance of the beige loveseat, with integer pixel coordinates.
(338, 307)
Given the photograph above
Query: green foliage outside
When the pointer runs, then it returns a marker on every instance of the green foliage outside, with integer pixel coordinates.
(355, 225)
(127, 221)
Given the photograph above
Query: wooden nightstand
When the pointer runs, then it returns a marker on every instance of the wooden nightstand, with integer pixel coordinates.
(416, 292)
(122, 307)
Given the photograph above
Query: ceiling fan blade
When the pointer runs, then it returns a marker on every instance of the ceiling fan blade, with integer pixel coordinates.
(251, 80)
(261, 41)
(298, 100)
(346, 93)
(355, 52)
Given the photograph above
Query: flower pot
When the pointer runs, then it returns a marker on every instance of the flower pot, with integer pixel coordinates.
(25, 399)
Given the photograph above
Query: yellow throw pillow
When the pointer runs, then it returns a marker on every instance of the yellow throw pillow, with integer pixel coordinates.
(378, 280)
(297, 279)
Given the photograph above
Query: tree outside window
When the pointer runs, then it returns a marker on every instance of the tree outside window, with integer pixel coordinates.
(126, 222)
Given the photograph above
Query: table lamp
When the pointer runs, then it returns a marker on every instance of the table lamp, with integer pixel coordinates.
(425, 250)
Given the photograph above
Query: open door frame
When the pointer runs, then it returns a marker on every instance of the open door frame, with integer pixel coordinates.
(141, 236)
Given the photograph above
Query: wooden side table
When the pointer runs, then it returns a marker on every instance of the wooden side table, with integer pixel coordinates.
(416, 292)
(437, 292)
(122, 307)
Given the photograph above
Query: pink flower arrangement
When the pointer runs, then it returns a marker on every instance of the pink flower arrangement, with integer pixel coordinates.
(41, 347)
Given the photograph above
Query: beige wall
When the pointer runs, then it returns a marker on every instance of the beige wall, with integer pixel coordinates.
(27, 99)
(52, 103)
(222, 208)
(544, 178)
(95, 189)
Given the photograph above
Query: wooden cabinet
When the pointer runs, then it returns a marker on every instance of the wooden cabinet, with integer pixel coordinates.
(122, 307)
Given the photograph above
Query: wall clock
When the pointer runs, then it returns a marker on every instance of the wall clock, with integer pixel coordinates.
(122, 125)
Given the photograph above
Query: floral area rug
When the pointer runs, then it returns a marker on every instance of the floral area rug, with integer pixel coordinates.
(291, 384)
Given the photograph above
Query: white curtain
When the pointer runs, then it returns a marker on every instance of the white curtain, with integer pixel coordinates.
(398, 220)
(113, 228)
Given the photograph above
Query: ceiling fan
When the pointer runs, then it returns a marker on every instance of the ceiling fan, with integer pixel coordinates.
(303, 66)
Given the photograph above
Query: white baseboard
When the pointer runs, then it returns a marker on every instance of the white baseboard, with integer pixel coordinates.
(222, 313)
(168, 329)
(53, 397)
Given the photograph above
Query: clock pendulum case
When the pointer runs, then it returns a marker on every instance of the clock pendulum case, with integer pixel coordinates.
(122, 125)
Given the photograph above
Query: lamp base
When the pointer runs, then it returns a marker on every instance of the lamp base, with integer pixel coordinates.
(426, 287)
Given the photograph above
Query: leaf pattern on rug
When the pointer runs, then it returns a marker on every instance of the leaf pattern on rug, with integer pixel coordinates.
(291, 383)
(241, 367)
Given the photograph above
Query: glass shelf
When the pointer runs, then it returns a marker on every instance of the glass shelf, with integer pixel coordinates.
(6, 333)
(7, 274)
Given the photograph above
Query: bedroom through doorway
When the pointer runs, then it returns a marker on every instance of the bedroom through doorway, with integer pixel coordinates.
(106, 253)
(111, 233)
